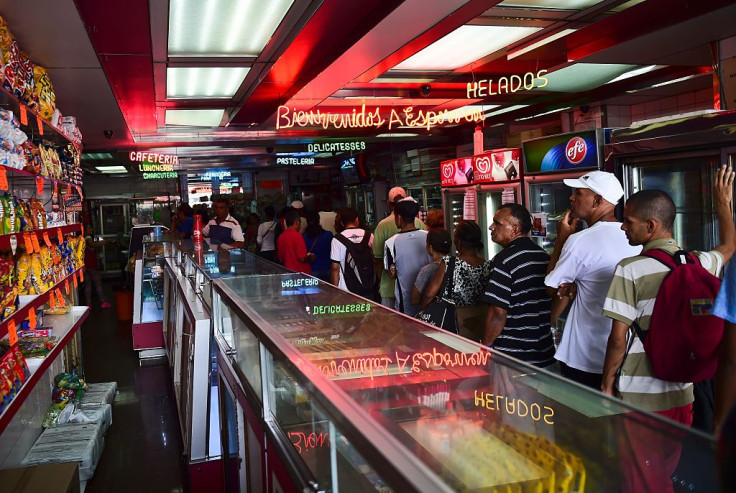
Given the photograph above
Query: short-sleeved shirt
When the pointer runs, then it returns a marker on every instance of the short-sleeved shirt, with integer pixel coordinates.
(186, 227)
(321, 247)
(265, 237)
(517, 286)
(588, 259)
(408, 251)
(725, 306)
(425, 275)
(631, 298)
(385, 230)
(290, 248)
(228, 231)
(469, 281)
(338, 250)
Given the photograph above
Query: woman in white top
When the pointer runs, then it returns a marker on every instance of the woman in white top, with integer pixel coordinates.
(265, 238)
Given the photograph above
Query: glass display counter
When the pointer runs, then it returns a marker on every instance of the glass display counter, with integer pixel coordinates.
(351, 395)
(148, 298)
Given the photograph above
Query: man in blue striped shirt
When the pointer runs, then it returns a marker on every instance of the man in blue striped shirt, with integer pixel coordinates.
(518, 318)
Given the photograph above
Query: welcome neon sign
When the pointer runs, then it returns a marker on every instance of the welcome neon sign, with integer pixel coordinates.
(361, 118)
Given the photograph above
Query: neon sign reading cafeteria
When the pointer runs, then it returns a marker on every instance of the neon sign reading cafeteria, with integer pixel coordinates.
(153, 157)
(360, 118)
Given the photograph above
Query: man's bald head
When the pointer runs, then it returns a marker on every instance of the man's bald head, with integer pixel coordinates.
(653, 205)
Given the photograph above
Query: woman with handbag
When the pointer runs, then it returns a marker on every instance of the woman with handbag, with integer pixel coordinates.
(439, 243)
(468, 274)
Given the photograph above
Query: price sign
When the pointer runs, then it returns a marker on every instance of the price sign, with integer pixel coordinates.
(28, 242)
(81, 275)
(60, 298)
(56, 188)
(68, 189)
(40, 125)
(12, 333)
(34, 239)
(39, 185)
(74, 277)
(23, 115)
(3, 178)
(59, 236)
(46, 238)
(52, 300)
(32, 318)
(66, 286)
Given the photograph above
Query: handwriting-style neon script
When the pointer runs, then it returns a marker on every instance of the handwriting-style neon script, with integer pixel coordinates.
(310, 441)
(514, 407)
(376, 366)
(360, 118)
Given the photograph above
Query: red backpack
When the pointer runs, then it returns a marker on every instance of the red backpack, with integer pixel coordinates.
(683, 337)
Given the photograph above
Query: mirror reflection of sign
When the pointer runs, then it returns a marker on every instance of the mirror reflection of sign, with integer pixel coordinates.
(576, 150)
(208, 175)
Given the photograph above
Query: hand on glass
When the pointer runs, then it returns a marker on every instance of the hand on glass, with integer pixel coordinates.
(723, 185)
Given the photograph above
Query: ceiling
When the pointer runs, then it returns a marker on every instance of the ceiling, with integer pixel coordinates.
(129, 67)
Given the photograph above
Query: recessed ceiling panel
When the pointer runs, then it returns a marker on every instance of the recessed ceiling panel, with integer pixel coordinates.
(584, 76)
(203, 82)
(194, 118)
(223, 27)
(550, 4)
(463, 46)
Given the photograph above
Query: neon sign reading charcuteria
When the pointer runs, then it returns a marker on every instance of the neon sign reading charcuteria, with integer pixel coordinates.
(361, 118)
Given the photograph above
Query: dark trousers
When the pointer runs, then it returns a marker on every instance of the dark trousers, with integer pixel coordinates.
(592, 380)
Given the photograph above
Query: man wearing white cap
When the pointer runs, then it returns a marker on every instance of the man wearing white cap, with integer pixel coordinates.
(385, 230)
(298, 206)
(580, 270)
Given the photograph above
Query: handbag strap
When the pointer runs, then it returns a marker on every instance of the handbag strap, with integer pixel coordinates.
(449, 278)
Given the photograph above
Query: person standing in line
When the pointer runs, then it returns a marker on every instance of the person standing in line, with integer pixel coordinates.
(435, 219)
(725, 307)
(327, 216)
(93, 274)
(649, 216)
(223, 229)
(385, 229)
(470, 277)
(318, 242)
(581, 268)
(298, 206)
(349, 228)
(439, 243)
(266, 234)
(184, 221)
(290, 247)
(405, 253)
(518, 318)
(251, 232)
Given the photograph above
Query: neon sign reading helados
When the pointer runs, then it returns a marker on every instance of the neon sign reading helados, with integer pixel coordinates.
(376, 366)
(360, 118)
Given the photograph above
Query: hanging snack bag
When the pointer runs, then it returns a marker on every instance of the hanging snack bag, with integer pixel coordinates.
(11, 222)
(23, 212)
(38, 214)
(23, 271)
(44, 93)
(30, 97)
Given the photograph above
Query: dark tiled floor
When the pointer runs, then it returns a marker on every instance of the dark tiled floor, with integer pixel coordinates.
(143, 447)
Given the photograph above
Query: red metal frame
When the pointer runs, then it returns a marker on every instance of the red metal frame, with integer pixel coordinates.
(52, 232)
(149, 335)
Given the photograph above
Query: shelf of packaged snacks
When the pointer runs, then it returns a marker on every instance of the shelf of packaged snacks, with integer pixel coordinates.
(64, 327)
(36, 302)
(31, 128)
(52, 233)
(29, 174)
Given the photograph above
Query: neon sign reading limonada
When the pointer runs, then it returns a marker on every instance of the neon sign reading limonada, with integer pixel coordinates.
(361, 118)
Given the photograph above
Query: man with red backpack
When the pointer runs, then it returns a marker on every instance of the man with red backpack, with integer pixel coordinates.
(634, 301)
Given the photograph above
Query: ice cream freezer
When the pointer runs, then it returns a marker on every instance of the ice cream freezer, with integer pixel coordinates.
(326, 391)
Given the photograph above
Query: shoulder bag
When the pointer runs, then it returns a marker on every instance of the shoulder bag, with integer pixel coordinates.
(441, 312)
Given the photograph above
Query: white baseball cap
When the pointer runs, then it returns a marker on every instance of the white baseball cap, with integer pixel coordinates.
(297, 204)
(601, 182)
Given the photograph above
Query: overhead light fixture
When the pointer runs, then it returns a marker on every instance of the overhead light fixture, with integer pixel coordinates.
(203, 82)
(367, 97)
(402, 80)
(545, 113)
(634, 73)
(581, 77)
(667, 82)
(396, 135)
(194, 118)
(515, 52)
(464, 45)
(223, 27)
(111, 169)
(506, 109)
(550, 4)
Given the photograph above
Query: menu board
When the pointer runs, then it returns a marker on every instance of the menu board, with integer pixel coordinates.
(579, 150)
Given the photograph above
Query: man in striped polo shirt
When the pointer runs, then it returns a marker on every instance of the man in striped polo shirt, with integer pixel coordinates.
(648, 219)
(518, 318)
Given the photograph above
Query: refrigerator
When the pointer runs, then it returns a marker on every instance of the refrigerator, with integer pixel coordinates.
(490, 180)
(679, 157)
(548, 161)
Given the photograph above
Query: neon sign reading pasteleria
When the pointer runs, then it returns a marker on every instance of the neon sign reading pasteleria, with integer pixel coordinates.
(362, 118)
(507, 85)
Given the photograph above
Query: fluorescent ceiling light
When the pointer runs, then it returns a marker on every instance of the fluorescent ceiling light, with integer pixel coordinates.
(550, 4)
(396, 135)
(584, 76)
(634, 73)
(626, 5)
(203, 82)
(464, 45)
(667, 82)
(546, 40)
(97, 156)
(506, 109)
(545, 113)
(112, 169)
(194, 118)
(402, 80)
(223, 27)
(367, 97)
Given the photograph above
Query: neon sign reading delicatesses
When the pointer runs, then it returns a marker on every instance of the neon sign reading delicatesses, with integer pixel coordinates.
(361, 118)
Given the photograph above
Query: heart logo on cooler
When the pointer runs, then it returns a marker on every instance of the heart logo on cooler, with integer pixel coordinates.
(576, 150)
(448, 170)
(483, 164)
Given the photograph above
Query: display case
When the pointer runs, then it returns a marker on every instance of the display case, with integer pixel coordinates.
(148, 298)
(326, 391)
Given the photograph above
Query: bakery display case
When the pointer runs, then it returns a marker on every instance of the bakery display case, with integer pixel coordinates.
(349, 394)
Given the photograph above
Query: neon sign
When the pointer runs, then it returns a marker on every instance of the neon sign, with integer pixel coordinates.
(153, 157)
(513, 407)
(295, 161)
(311, 441)
(360, 118)
(208, 175)
(339, 309)
(160, 175)
(417, 362)
(336, 146)
(507, 85)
